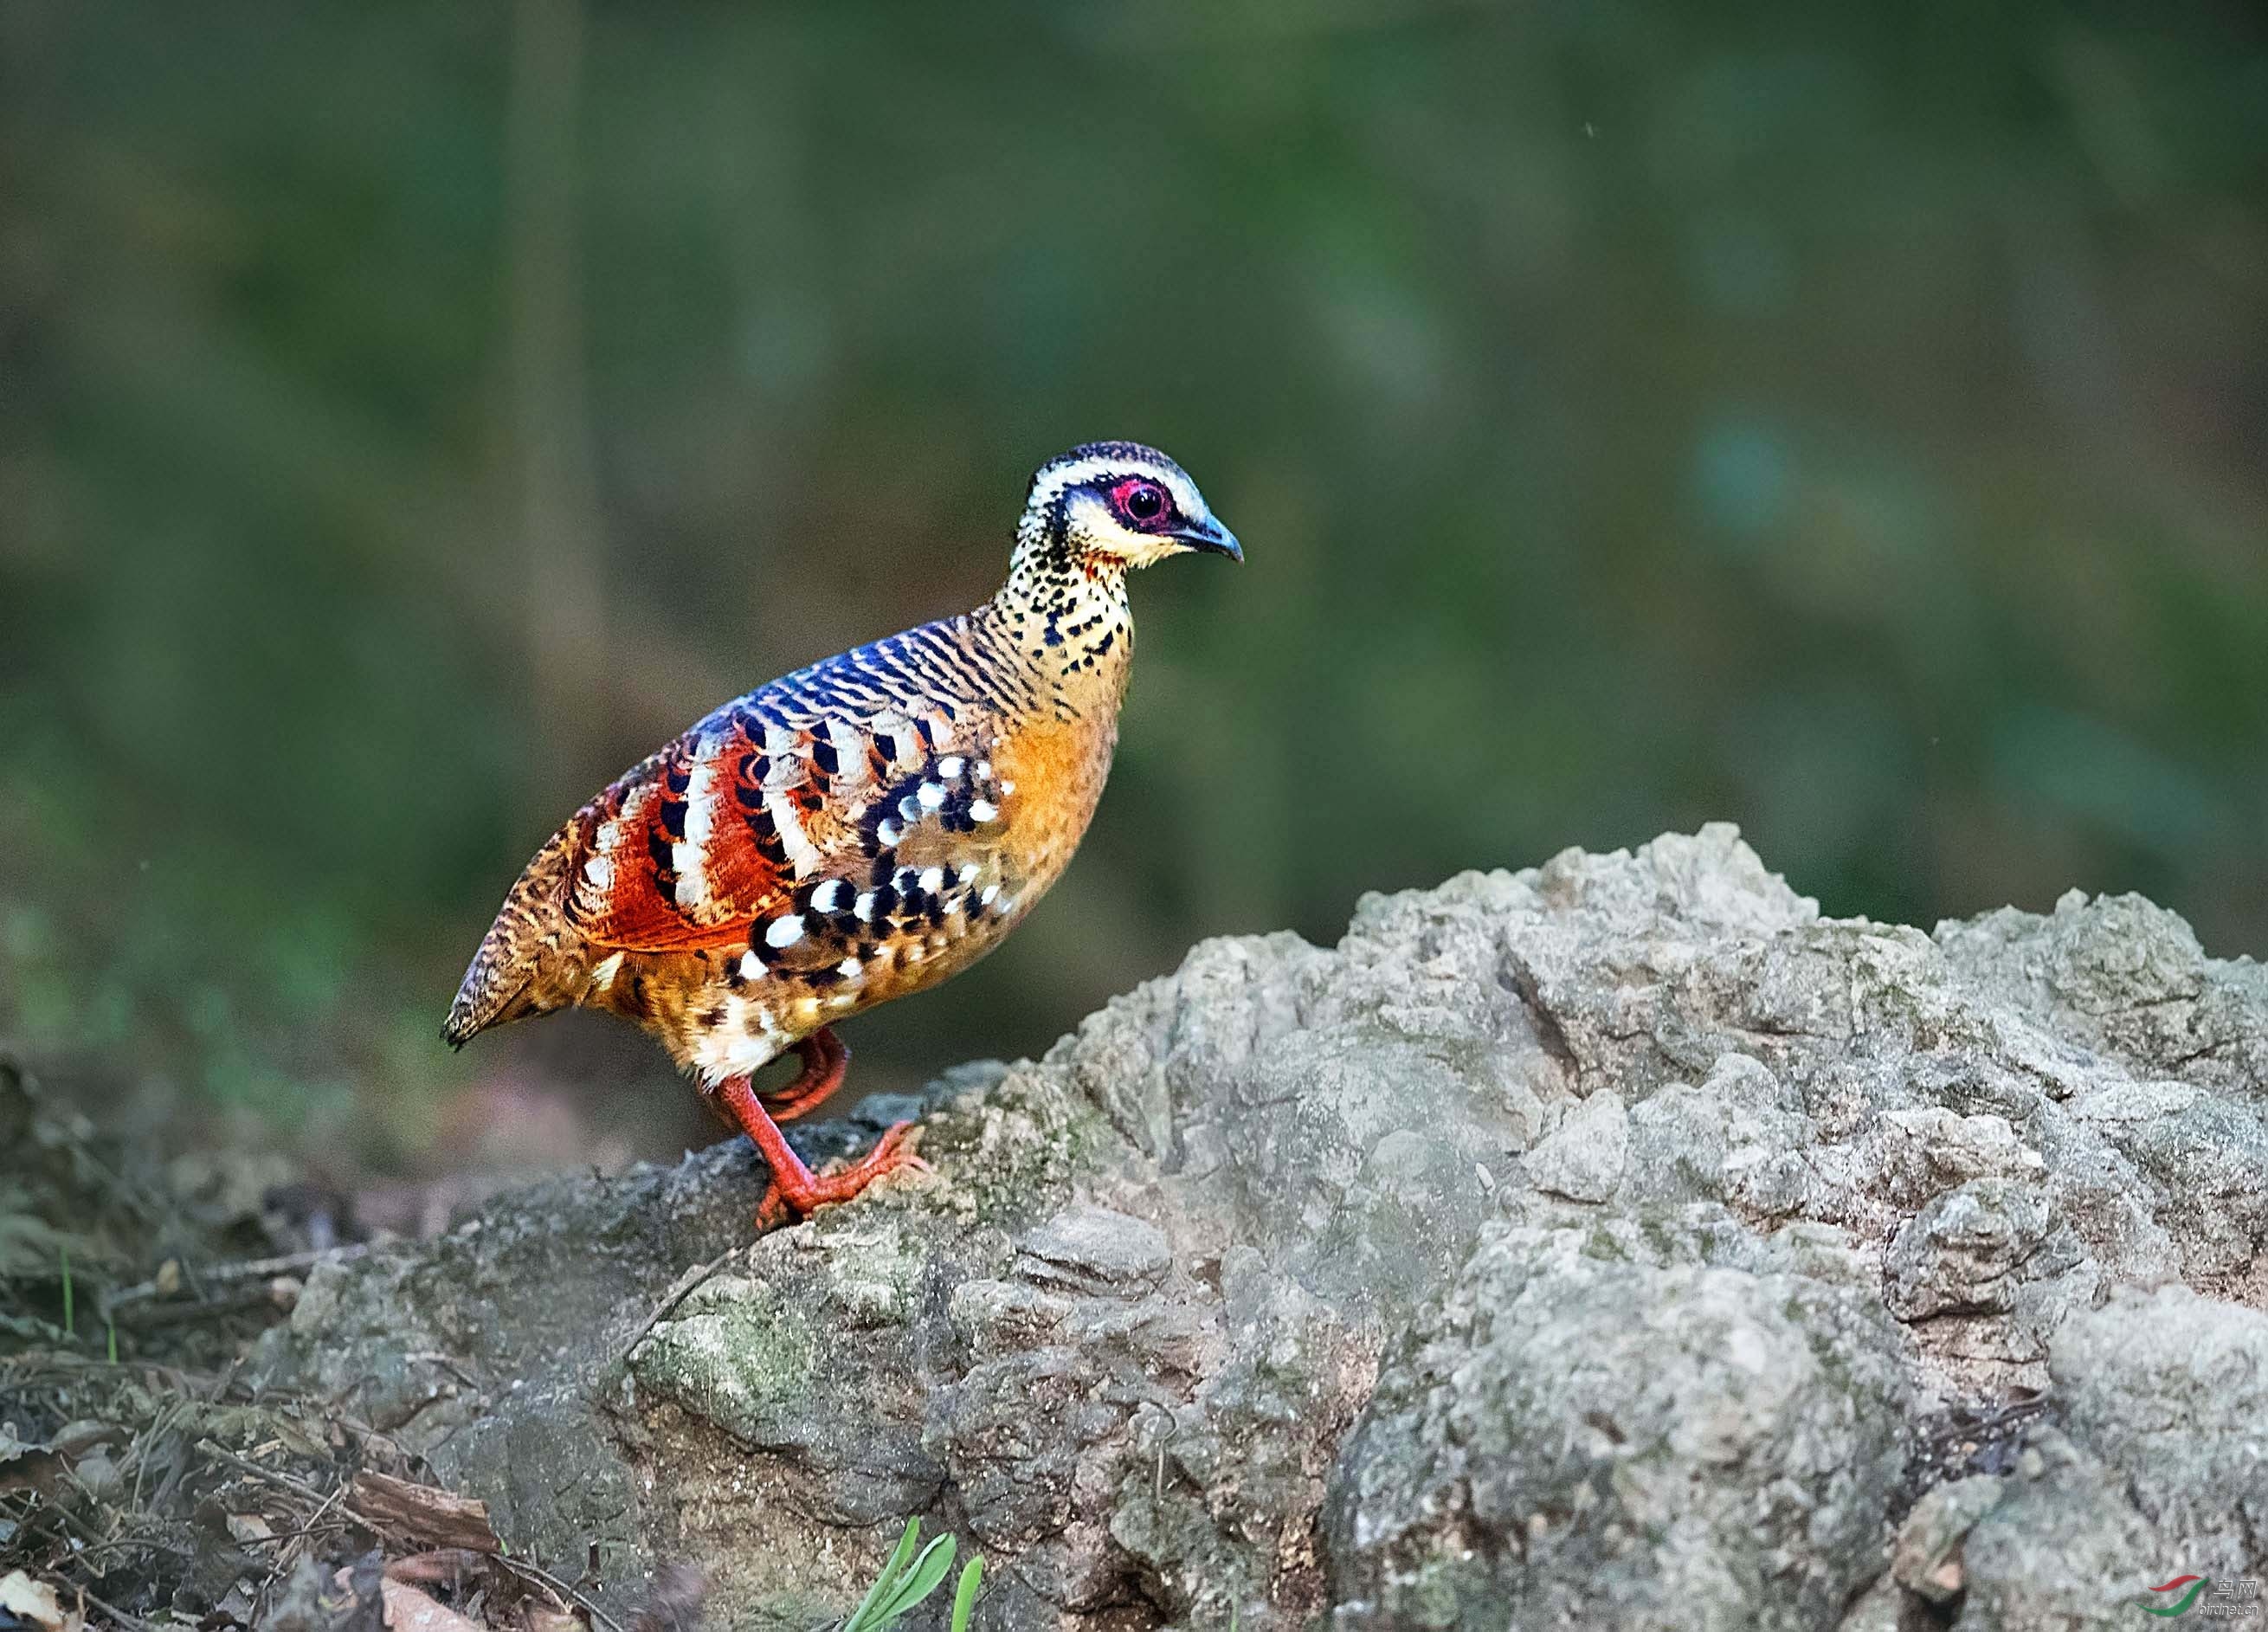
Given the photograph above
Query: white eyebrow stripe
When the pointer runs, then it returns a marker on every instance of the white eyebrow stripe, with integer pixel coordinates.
(1056, 483)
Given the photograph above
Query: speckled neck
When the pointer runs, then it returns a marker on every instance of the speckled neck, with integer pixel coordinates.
(1067, 616)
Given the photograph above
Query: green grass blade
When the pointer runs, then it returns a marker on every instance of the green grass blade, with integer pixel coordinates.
(930, 1569)
(864, 1618)
(964, 1596)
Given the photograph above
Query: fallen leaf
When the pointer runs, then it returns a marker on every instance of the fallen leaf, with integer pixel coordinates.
(76, 1439)
(236, 1605)
(31, 1467)
(35, 1601)
(409, 1610)
(249, 1527)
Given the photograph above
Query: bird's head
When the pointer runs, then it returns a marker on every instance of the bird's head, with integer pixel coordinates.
(1118, 504)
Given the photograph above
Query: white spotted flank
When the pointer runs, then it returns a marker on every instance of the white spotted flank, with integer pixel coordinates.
(784, 932)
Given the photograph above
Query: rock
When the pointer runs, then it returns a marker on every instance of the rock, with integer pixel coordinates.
(2117, 976)
(1581, 1436)
(2062, 1550)
(1927, 1560)
(1583, 1159)
(2172, 1390)
(1965, 1252)
(1618, 1242)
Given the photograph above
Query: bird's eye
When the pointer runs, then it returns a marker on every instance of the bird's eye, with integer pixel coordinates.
(1142, 501)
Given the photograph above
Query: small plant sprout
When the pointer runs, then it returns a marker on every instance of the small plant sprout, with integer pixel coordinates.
(964, 1596)
(913, 1572)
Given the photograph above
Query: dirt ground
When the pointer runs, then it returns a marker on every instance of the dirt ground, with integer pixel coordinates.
(142, 1480)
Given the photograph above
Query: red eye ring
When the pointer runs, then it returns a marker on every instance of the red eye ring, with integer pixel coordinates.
(1141, 502)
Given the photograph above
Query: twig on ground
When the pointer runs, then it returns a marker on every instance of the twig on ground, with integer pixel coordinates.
(427, 1513)
(519, 1566)
(143, 1316)
(567, 1594)
(329, 1502)
(221, 1454)
(679, 1291)
(149, 1434)
(122, 1543)
(227, 1275)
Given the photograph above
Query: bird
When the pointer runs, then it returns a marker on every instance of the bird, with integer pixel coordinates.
(855, 831)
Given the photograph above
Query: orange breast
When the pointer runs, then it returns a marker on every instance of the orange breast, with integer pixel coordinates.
(1057, 770)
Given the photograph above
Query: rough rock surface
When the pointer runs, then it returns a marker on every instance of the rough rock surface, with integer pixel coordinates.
(1615, 1243)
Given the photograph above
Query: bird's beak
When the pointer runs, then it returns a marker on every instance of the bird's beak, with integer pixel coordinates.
(1213, 538)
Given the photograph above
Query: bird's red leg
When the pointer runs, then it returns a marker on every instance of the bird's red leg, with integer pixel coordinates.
(824, 1060)
(795, 1188)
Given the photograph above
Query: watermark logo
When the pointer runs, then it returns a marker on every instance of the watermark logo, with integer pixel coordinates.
(2214, 1601)
(2188, 1586)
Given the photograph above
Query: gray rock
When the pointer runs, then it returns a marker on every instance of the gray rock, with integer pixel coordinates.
(1928, 1561)
(2120, 976)
(1584, 1158)
(1617, 1242)
(2062, 1550)
(1966, 1251)
(1580, 1439)
(2172, 1390)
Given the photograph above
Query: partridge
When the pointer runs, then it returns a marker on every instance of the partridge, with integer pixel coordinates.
(855, 831)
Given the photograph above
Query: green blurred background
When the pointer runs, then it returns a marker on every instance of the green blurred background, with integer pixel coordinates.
(1851, 422)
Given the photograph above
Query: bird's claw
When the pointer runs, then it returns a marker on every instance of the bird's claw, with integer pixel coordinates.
(891, 1154)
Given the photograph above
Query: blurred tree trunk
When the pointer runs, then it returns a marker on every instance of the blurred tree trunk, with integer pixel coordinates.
(561, 540)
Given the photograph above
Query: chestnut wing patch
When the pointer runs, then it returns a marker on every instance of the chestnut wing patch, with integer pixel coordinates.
(686, 851)
(710, 842)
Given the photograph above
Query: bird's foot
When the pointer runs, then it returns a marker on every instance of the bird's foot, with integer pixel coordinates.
(797, 1191)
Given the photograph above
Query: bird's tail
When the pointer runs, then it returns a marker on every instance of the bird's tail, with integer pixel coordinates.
(495, 990)
(529, 963)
